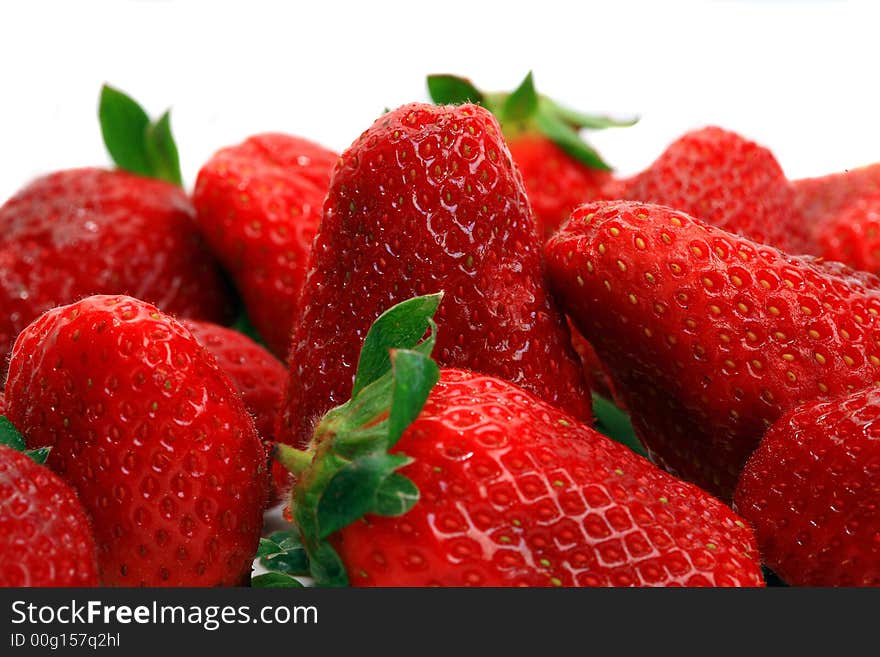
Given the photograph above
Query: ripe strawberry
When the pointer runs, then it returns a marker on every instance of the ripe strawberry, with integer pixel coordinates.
(259, 205)
(258, 377)
(84, 231)
(727, 181)
(45, 536)
(821, 198)
(560, 171)
(480, 483)
(852, 235)
(811, 490)
(429, 199)
(594, 371)
(710, 337)
(150, 433)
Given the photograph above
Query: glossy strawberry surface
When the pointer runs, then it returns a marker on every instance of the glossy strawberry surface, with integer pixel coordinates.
(555, 182)
(812, 489)
(85, 231)
(151, 434)
(426, 200)
(725, 180)
(259, 205)
(710, 337)
(45, 536)
(515, 492)
(258, 377)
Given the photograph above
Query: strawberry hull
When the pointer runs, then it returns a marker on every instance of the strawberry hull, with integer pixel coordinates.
(514, 492)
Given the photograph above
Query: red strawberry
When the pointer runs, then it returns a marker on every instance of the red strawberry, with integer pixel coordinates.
(852, 235)
(560, 171)
(811, 490)
(709, 337)
(594, 371)
(727, 181)
(84, 231)
(480, 483)
(150, 433)
(45, 536)
(429, 199)
(820, 198)
(76, 232)
(259, 205)
(258, 377)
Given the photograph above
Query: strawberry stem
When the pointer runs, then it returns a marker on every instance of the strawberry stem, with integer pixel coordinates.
(349, 470)
(295, 460)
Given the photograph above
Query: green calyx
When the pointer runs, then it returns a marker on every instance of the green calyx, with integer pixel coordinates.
(524, 111)
(349, 471)
(10, 437)
(136, 143)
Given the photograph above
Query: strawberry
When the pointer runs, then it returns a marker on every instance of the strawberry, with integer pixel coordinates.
(475, 481)
(560, 170)
(710, 337)
(852, 235)
(258, 377)
(151, 434)
(83, 231)
(811, 490)
(45, 536)
(429, 198)
(822, 197)
(259, 204)
(727, 181)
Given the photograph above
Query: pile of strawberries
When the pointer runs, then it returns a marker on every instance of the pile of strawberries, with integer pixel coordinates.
(407, 343)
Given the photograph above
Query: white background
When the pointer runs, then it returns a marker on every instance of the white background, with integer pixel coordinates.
(799, 77)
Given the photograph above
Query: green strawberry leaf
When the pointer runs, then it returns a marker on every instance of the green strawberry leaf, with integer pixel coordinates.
(567, 138)
(453, 90)
(351, 491)
(123, 125)
(415, 374)
(11, 437)
(401, 325)
(525, 111)
(615, 424)
(348, 471)
(522, 104)
(275, 581)
(135, 143)
(283, 552)
(39, 455)
(589, 121)
(162, 150)
(396, 495)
